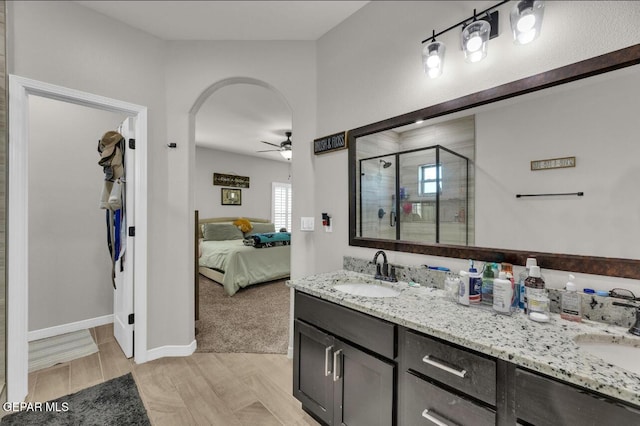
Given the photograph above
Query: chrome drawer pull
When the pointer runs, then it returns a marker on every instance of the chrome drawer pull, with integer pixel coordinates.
(336, 358)
(432, 419)
(459, 373)
(327, 358)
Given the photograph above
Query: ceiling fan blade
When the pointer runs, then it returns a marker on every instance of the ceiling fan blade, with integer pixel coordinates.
(272, 144)
(269, 150)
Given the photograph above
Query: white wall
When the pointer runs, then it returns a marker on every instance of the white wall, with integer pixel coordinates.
(369, 69)
(256, 200)
(597, 124)
(69, 266)
(69, 45)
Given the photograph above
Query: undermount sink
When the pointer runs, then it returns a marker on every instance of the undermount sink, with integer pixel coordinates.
(623, 353)
(367, 290)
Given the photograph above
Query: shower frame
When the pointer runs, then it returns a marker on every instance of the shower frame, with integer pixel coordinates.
(438, 181)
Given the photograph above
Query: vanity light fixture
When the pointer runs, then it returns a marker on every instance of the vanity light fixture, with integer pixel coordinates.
(433, 57)
(526, 20)
(475, 38)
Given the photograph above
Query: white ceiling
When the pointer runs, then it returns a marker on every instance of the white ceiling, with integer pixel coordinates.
(229, 20)
(235, 118)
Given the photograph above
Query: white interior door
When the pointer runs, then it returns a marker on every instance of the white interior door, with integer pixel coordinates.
(123, 315)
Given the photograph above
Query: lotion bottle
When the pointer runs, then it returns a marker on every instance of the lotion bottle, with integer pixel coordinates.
(571, 302)
(503, 294)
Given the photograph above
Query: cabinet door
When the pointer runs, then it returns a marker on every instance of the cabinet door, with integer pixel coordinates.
(364, 388)
(424, 403)
(312, 370)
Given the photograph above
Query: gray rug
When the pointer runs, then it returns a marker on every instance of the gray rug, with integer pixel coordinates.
(254, 320)
(112, 403)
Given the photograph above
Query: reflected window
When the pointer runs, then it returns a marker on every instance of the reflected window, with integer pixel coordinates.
(428, 179)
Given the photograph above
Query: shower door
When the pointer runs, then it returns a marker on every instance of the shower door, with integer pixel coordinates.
(377, 214)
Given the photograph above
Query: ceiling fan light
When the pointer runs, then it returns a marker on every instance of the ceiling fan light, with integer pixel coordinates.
(286, 154)
(526, 20)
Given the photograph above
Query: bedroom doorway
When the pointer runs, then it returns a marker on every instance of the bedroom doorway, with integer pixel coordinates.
(234, 123)
(21, 92)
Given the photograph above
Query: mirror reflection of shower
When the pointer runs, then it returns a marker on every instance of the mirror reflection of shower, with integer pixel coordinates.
(377, 189)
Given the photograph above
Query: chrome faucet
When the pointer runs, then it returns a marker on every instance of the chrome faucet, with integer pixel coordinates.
(635, 328)
(382, 271)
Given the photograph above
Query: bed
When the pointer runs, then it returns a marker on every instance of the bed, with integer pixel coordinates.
(226, 259)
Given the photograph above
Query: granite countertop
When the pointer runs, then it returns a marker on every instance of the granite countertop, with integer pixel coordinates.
(548, 348)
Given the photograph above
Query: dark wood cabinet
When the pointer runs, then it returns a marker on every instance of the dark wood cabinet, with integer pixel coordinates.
(339, 382)
(313, 377)
(354, 369)
(444, 384)
(544, 401)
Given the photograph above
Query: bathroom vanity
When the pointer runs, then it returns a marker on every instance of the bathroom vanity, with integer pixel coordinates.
(418, 358)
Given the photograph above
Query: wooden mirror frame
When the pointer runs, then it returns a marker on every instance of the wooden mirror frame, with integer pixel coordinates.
(617, 267)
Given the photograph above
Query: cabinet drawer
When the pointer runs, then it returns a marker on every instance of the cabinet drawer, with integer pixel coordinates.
(420, 395)
(369, 332)
(543, 401)
(458, 368)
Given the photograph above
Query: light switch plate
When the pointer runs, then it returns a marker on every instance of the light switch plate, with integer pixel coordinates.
(307, 223)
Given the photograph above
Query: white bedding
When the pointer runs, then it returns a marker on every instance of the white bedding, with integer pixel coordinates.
(244, 265)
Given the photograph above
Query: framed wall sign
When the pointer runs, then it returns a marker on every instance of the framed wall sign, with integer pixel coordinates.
(553, 163)
(330, 143)
(231, 180)
(231, 196)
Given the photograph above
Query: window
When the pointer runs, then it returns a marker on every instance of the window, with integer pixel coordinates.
(427, 179)
(281, 205)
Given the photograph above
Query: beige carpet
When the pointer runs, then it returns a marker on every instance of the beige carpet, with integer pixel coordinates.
(254, 320)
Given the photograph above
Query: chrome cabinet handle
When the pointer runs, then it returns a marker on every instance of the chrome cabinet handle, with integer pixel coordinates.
(336, 367)
(327, 358)
(432, 419)
(459, 373)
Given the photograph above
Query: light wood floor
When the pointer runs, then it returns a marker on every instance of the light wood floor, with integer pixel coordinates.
(202, 389)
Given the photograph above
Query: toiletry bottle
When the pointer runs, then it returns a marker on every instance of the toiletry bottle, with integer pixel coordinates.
(508, 269)
(522, 294)
(571, 302)
(535, 292)
(502, 294)
(487, 284)
(463, 295)
(475, 286)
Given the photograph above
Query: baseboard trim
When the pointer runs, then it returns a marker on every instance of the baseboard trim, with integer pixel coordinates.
(290, 352)
(57, 330)
(171, 350)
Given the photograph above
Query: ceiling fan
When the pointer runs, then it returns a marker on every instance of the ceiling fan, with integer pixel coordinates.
(284, 148)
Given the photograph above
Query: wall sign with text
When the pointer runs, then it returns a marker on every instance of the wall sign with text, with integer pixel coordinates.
(330, 143)
(553, 163)
(231, 180)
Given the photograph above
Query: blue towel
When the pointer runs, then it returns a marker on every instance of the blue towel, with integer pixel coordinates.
(270, 239)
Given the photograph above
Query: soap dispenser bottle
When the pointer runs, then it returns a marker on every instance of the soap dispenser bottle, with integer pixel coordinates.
(571, 302)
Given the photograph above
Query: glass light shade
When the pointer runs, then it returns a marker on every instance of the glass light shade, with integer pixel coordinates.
(475, 37)
(286, 154)
(433, 58)
(526, 20)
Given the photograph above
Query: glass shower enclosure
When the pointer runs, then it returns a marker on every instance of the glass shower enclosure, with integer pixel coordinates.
(419, 195)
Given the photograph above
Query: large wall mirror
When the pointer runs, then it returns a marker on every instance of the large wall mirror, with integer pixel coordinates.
(465, 178)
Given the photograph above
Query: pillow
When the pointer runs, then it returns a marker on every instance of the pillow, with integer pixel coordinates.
(221, 232)
(261, 228)
(243, 224)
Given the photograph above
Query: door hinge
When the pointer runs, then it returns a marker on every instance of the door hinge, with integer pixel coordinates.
(131, 319)
(132, 231)
(132, 143)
